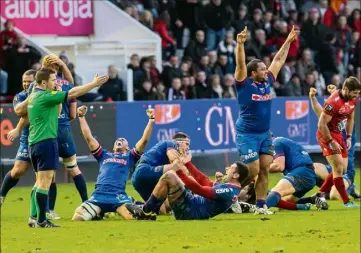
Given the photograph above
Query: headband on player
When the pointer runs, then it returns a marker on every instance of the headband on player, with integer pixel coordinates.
(182, 140)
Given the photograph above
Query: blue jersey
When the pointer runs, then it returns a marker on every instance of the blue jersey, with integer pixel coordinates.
(295, 155)
(254, 100)
(114, 170)
(65, 111)
(157, 155)
(20, 97)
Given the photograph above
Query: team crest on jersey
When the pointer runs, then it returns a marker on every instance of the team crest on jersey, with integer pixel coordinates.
(262, 90)
(296, 109)
(166, 114)
(329, 108)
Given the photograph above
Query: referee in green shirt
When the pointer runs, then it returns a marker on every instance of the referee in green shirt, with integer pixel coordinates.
(43, 108)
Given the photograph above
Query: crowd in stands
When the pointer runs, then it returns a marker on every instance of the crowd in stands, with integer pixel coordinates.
(198, 43)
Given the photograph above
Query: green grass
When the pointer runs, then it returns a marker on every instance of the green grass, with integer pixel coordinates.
(336, 230)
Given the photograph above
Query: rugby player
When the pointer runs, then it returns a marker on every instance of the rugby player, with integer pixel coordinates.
(109, 194)
(43, 108)
(156, 161)
(22, 159)
(254, 138)
(338, 108)
(193, 198)
(295, 163)
(322, 170)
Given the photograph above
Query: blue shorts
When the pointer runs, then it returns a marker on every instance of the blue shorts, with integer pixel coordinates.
(250, 146)
(109, 203)
(23, 153)
(66, 142)
(45, 155)
(145, 178)
(190, 207)
(303, 180)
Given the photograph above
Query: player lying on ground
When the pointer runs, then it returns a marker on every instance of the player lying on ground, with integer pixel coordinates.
(22, 159)
(155, 162)
(295, 163)
(322, 170)
(254, 138)
(66, 145)
(43, 107)
(338, 109)
(109, 194)
(196, 198)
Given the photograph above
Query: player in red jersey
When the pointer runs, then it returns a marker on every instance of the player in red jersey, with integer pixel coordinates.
(338, 113)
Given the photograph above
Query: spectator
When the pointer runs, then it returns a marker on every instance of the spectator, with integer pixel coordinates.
(222, 68)
(229, 87)
(327, 56)
(288, 70)
(319, 83)
(327, 15)
(203, 66)
(134, 65)
(36, 66)
(354, 52)
(256, 22)
(257, 48)
(160, 91)
(308, 84)
(354, 20)
(176, 92)
(196, 48)
(336, 80)
(217, 17)
(242, 21)
(77, 78)
(293, 87)
(228, 47)
(189, 89)
(293, 19)
(267, 22)
(305, 64)
(154, 72)
(343, 38)
(213, 57)
(171, 71)
(202, 88)
(146, 92)
(8, 39)
(161, 26)
(217, 90)
(144, 74)
(185, 69)
(112, 90)
(286, 6)
(147, 19)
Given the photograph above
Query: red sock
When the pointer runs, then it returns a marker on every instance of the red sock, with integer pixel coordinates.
(327, 184)
(340, 186)
(287, 205)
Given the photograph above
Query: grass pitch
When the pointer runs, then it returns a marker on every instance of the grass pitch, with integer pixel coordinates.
(334, 231)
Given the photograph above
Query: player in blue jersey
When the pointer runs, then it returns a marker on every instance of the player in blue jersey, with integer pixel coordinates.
(291, 159)
(324, 170)
(22, 159)
(109, 194)
(156, 161)
(196, 198)
(254, 139)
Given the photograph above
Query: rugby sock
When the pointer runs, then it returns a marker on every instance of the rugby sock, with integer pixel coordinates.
(327, 184)
(287, 205)
(8, 183)
(52, 196)
(260, 203)
(153, 204)
(340, 186)
(305, 200)
(80, 185)
(41, 200)
(272, 199)
(33, 211)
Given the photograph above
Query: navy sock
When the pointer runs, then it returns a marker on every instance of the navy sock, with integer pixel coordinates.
(41, 200)
(52, 196)
(153, 204)
(260, 203)
(8, 183)
(80, 185)
(305, 200)
(272, 199)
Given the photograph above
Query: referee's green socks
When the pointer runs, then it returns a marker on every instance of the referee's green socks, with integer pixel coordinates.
(33, 212)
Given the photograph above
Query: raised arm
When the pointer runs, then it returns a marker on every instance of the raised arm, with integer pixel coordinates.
(93, 144)
(316, 107)
(198, 176)
(281, 56)
(53, 59)
(83, 89)
(241, 69)
(140, 146)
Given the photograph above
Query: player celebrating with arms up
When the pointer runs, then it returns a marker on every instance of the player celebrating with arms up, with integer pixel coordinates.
(109, 194)
(338, 108)
(254, 139)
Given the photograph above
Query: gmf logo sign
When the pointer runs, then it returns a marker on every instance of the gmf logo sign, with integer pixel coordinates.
(167, 113)
(296, 109)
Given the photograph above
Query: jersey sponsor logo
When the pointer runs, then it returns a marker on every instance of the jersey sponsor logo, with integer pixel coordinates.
(249, 155)
(166, 114)
(257, 97)
(61, 82)
(223, 190)
(304, 152)
(296, 109)
(340, 126)
(61, 116)
(53, 92)
(115, 160)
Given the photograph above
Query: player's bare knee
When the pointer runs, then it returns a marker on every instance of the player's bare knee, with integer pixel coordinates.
(44, 179)
(18, 171)
(169, 176)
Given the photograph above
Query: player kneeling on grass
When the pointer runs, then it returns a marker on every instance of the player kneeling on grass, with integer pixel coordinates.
(196, 197)
(294, 162)
(109, 194)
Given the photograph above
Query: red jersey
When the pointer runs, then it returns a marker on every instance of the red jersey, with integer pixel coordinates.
(340, 110)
